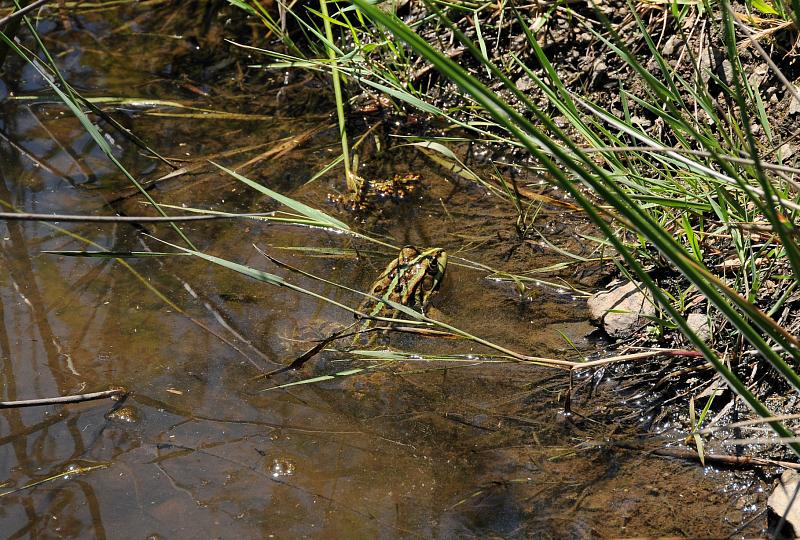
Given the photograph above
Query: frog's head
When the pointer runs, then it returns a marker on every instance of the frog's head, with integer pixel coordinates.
(438, 258)
(425, 275)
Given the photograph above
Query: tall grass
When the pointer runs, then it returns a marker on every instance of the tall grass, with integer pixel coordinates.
(338, 95)
(695, 176)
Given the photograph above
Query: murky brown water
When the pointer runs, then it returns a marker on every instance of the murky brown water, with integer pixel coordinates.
(201, 448)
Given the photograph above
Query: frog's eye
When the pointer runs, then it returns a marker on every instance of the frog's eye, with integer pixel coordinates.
(429, 282)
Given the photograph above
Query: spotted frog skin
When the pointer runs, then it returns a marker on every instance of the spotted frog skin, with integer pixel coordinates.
(411, 280)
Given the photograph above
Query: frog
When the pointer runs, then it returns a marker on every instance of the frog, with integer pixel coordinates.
(411, 279)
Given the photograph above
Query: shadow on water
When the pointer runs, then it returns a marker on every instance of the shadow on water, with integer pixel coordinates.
(201, 447)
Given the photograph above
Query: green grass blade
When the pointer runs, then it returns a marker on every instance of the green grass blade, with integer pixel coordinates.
(297, 206)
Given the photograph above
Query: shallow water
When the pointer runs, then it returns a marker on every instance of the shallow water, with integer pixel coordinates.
(202, 447)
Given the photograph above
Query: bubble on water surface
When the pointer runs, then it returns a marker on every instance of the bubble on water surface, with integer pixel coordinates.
(281, 467)
(70, 471)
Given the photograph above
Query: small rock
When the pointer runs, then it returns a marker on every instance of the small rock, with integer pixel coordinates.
(525, 83)
(785, 492)
(758, 76)
(599, 71)
(794, 104)
(622, 310)
(727, 70)
(734, 516)
(713, 61)
(671, 44)
(698, 322)
(600, 66)
(706, 64)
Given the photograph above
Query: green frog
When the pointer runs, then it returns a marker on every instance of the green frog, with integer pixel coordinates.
(411, 280)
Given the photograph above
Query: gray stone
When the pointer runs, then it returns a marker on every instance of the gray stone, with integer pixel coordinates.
(794, 105)
(672, 43)
(713, 61)
(788, 488)
(698, 322)
(622, 310)
(525, 83)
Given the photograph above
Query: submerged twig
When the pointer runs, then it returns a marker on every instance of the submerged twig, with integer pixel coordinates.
(723, 459)
(75, 398)
(298, 362)
(747, 423)
(636, 356)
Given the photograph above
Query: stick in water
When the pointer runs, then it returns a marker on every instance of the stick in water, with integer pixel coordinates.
(110, 393)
